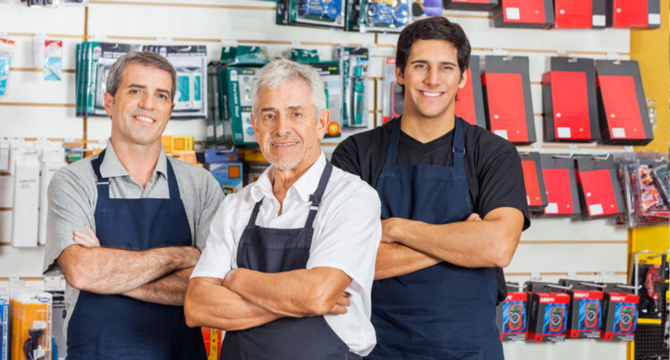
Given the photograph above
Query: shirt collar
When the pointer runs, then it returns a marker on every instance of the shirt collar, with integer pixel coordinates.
(305, 186)
(111, 165)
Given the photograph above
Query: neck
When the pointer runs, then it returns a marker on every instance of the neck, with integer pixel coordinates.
(284, 179)
(139, 160)
(425, 129)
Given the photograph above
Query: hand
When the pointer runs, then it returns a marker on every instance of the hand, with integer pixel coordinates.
(86, 240)
(192, 256)
(390, 229)
(342, 304)
(473, 216)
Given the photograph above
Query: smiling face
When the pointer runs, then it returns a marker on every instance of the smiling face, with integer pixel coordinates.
(286, 126)
(431, 79)
(142, 105)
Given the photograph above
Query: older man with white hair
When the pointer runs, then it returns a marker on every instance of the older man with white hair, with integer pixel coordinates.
(288, 267)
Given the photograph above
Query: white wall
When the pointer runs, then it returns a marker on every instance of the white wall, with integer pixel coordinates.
(33, 108)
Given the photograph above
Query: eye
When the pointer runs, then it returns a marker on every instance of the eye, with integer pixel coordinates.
(269, 116)
(297, 114)
(162, 96)
(134, 91)
(420, 66)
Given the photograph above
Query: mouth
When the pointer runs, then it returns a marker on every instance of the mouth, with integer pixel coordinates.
(432, 94)
(144, 119)
(284, 144)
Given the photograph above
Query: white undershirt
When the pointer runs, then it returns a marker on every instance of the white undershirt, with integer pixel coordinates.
(347, 231)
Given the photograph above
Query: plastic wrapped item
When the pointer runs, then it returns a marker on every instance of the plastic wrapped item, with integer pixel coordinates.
(53, 60)
(387, 16)
(6, 52)
(645, 204)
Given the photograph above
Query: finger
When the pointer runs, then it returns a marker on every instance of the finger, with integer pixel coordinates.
(347, 294)
(90, 231)
(82, 241)
(474, 216)
(342, 301)
(338, 310)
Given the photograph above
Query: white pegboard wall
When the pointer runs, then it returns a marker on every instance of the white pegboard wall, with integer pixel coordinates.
(552, 247)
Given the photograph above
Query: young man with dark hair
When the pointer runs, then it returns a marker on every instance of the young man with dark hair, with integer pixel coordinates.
(438, 272)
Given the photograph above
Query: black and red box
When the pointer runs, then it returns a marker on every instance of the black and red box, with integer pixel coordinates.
(472, 5)
(512, 316)
(620, 313)
(536, 194)
(570, 101)
(585, 311)
(622, 105)
(560, 183)
(580, 14)
(548, 316)
(524, 14)
(469, 103)
(599, 191)
(509, 106)
(634, 13)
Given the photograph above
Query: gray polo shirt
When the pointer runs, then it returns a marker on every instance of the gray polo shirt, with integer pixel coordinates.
(73, 196)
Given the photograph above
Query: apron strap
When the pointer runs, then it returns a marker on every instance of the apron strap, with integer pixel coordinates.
(172, 182)
(458, 156)
(102, 183)
(394, 140)
(318, 194)
(254, 213)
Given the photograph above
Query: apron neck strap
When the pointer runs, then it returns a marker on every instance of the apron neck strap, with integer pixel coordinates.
(458, 156)
(103, 183)
(314, 198)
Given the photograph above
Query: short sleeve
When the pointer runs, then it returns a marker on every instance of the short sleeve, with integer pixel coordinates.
(211, 199)
(216, 259)
(350, 237)
(501, 183)
(345, 157)
(71, 206)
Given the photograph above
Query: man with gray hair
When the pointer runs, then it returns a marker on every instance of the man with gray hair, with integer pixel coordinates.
(290, 259)
(126, 227)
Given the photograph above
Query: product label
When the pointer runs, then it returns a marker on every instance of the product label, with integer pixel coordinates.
(501, 133)
(563, 132)
(618, 133)
(654, 19)
(552, 208)
(599, 20)
(513, 13)
(596, 209)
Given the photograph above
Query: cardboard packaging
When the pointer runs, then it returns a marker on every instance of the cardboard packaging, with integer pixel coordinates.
(177, 143)
(619, 316)
(469, 103)
(332, 82)
(548, 316)
(532, 14)
(32, 324)
(58, 323)
(536, 193)
(570, 101)
(585, 311)
(25, 221)
(52, 160)
(393, 98)
(580, 14)
(561, 185)
(471, 5)
(634, 13)
(512, 316)
(622, 105)
(599, 189)
(509, 107)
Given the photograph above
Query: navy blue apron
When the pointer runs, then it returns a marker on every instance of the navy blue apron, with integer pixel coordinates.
(445, 311)
(277, 250)
(118, 327)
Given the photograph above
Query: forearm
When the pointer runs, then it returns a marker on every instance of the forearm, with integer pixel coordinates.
(114, 271)
(397, 259)
(297, 293)
(168, 290)
(210, 304)
(486, 243)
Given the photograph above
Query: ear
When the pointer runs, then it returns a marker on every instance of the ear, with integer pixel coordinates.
(399, 75)
(464, 79)
(322, 123)
(253, 123)
(109, 100)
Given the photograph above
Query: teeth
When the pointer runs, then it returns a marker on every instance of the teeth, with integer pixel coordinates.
(431, 94)
(144, 118)
(283, 145)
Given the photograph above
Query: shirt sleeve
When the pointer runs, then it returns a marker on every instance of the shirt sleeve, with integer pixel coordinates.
(501, 183)
(349, 238)
(211, 200)
(217, 257)
(71, 206)
(345, 157)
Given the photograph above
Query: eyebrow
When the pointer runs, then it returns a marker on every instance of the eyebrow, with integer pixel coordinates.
(295, 107)
(144, 87)
(426, 62)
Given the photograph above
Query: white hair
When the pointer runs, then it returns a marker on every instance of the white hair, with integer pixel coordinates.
(279, 71)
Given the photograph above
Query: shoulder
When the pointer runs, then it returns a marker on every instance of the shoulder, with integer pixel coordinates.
(343, 185)
(191, 174)
(365, 140)
(77, 174)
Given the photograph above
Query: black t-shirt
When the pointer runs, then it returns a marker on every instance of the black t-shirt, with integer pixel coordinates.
(492, 166)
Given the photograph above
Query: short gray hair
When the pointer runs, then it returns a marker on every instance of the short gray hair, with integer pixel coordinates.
(279, 71)
(146, 58)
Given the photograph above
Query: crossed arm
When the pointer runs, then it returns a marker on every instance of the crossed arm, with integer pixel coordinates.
(247, 298)
(408, 246)
(158, 275)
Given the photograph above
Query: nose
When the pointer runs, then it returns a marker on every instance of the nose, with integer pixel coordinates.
(146, 102)
(283, 125)
(432, 77)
